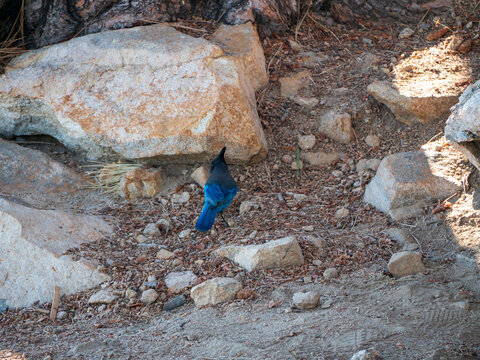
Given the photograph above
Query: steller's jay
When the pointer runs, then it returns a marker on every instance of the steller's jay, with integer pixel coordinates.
(219, 192)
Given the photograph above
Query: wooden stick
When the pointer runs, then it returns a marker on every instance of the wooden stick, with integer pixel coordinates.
(55, 302)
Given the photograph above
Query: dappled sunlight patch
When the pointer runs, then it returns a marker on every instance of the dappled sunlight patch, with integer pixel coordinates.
(433, 71)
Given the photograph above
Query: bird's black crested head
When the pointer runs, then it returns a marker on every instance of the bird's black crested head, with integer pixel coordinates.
(220, 159)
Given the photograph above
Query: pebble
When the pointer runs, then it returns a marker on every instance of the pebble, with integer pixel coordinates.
(369, 354)
(287, 159)
(337, 173)
(165, 254)
(330, 273)
(246, 206)
(342, 213)
(295, 167)
(151, 230)
(180, 198)
(174, 303)
(151, 278)
(177, 281)
(149, 296)
(200, 176)
(184, 233)
(102, 297)
(61, 315)
(295, 46)
(164, 225)
(130, 293)
(308, 228)
(406, 33)
(306, 142)
(308, 300)
(372, 140)
(141, 239)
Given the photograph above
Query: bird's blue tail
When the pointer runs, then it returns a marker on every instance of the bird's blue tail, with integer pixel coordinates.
(207, 217)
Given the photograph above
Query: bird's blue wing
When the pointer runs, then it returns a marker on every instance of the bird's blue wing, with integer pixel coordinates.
(214, 194)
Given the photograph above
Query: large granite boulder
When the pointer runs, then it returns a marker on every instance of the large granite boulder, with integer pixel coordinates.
(32, 247)
(407, 182)
(463, 126)
(412, 106)
(148, 93)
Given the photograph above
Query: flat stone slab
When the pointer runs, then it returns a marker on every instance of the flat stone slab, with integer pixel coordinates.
(407, 182)
(32, 244)
(148, 92)
(280, 253)
(463, 126)
(410, 108)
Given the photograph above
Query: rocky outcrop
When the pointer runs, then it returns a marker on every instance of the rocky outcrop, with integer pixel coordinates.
(31, 253)
(407, 182)
(34, 176)
(463, 126)
(149, 93)
(49, 22)
(280, 253)
(411, 107)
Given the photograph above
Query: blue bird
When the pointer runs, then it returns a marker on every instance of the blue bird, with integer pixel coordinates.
(219, 192)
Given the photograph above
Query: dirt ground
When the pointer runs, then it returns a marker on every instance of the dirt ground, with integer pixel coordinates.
(434, 315)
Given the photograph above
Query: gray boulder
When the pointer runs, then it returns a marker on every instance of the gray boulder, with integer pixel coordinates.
(463, 126)
(32, 247)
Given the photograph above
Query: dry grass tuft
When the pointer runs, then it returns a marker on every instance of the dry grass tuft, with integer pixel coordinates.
(107, 177)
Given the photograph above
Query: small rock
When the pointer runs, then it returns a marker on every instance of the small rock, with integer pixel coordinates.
(321, 158)
(370, 164)
(151, 278)
(372, 140)
(370, 354)
(406, 263)
(367, 41)
(60, 315)
(215, 291)
(290, 85)
(102, 297)
(342, 213)
(149, 296)
(151, 230)
(337, 126)
(280, 253)
(163, 225)
(306, 102)
(141, 239)
(317, 241)
(287, 159)
(296, 166)
(306, 142)
(165, 254)
(200, 176)
(138, 183)
(180, 198)
(308, 228)
(337, 173)
(246, 206)
(317, 262)
(406, 33)
(178, 281)
(174, 303)
(130, 293)
(308, 300)
(295, 46)
(184, 233)
(330, 273)
(177, 262)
